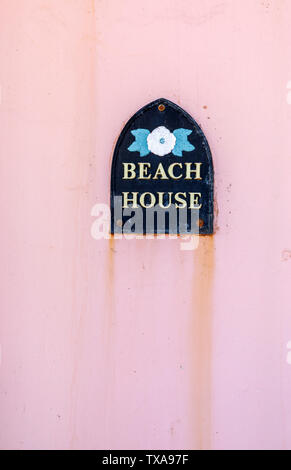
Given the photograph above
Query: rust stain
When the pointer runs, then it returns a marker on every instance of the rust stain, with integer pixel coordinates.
(93, 7)
(216, 213)
(286, 255)
(109, 286)
(201, 338)
(109, 323)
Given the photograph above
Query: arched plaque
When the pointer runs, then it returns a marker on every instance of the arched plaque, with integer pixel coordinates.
(162, 174)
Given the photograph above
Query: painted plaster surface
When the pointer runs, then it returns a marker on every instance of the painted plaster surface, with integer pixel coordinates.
(138, 343)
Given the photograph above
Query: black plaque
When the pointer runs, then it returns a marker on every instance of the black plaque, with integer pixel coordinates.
(162, 161)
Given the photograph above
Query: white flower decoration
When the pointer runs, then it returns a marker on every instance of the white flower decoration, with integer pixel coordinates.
(161, 141)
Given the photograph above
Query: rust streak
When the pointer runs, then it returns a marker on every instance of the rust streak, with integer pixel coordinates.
(201, 337)
(109, 338)
(110, 290)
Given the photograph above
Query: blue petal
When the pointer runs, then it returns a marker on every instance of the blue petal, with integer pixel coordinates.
(140, 144)
(182, 143)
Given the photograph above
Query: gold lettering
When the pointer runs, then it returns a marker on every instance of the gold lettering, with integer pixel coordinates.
(194, 201)
(142, 200)
(161, 200)
(127, 200)
(179, 199)
(196, 171)
(143, 171)
(160, 171)
(171, 171)
(128, 168)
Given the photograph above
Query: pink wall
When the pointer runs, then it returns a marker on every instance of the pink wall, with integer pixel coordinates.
(138, 344)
